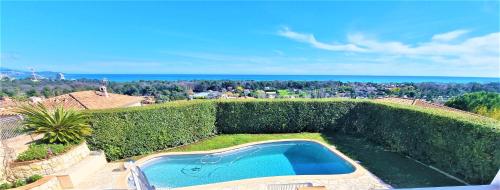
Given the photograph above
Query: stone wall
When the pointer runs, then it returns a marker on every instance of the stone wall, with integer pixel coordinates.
(51, 165)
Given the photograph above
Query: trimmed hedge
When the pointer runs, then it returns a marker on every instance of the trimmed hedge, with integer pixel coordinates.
(463, 145)
(135, 131)
(280, 116)
(460, 144)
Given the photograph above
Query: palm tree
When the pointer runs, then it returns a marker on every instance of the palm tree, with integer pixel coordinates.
(58, 125)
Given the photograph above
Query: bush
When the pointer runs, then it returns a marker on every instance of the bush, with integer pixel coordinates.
(135, 131)
(483, 103)
(39, 151)
(33, 178)
(5, 186)
(462, 145)
(57, 125)
(20, 182)
(280, 116)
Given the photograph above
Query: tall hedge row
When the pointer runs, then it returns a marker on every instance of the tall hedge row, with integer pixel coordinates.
(129, 132)
(280, 116)
(463, 145)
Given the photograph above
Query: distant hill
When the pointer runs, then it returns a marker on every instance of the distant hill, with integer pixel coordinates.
(19, 74)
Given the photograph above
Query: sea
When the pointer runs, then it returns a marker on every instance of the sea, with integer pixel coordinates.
(342, 78)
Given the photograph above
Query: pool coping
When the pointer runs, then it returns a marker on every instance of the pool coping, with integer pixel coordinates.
(358, 169)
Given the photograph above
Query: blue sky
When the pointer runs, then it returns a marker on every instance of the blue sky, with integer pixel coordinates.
(334, 38)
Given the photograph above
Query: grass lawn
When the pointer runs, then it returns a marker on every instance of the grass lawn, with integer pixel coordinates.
(392, 168)
(224, 141)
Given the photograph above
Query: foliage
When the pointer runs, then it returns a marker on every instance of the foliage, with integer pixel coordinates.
(6, 185)
(33, 178)
(58, 126)
(134, 131)
(483, 103)
(40, 151)
(280, 116)
(20, 182)
(179, 90)
(460, 144)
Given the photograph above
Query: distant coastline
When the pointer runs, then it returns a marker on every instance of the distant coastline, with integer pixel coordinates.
(19, 74)
(342, 78)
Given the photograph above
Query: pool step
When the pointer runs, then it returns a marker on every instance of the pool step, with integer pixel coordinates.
(85, 168)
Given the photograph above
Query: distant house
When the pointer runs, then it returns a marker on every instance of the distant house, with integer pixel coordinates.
(201, 95)
(207, 95)
(60, 76)
(271, 94)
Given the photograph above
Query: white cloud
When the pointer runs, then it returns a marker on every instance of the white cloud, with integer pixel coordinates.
(310, 39)
(480, 51)
(449, 35)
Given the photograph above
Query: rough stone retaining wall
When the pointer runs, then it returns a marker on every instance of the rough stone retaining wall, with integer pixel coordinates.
(51, 165)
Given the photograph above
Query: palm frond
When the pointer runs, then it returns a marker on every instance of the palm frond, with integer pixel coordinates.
(58, 125)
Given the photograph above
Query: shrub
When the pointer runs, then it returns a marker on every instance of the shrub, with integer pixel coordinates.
(40, 151)
(462, 145)
(20, 182)
(6, 185)
(33, 178)
(483, 103)
(134, 131)
(58, 126)
(280, 116)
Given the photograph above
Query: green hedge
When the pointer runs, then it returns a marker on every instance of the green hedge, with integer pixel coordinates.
(280, 116)
(461, 144)
(129, 132)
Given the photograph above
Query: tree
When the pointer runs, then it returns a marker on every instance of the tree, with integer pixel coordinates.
(32, 92)
(58, 125)
(47, 92)
(484, 103)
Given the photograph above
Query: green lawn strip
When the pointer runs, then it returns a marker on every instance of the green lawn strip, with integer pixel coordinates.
(392, 167)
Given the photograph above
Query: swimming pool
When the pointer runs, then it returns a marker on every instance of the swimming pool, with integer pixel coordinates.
(284, 158)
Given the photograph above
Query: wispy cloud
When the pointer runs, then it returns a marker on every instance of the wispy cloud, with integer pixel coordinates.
(445, 48)
(310, 39)
(448, 36)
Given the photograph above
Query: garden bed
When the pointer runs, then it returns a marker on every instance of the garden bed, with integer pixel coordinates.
(51, 165)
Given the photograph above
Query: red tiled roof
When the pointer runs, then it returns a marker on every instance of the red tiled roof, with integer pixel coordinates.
(77, 100)
(93, 100)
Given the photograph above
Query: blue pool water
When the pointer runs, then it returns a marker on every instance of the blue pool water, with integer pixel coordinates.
(261, 160)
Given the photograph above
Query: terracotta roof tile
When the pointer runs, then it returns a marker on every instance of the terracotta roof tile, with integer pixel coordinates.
(94, 100)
